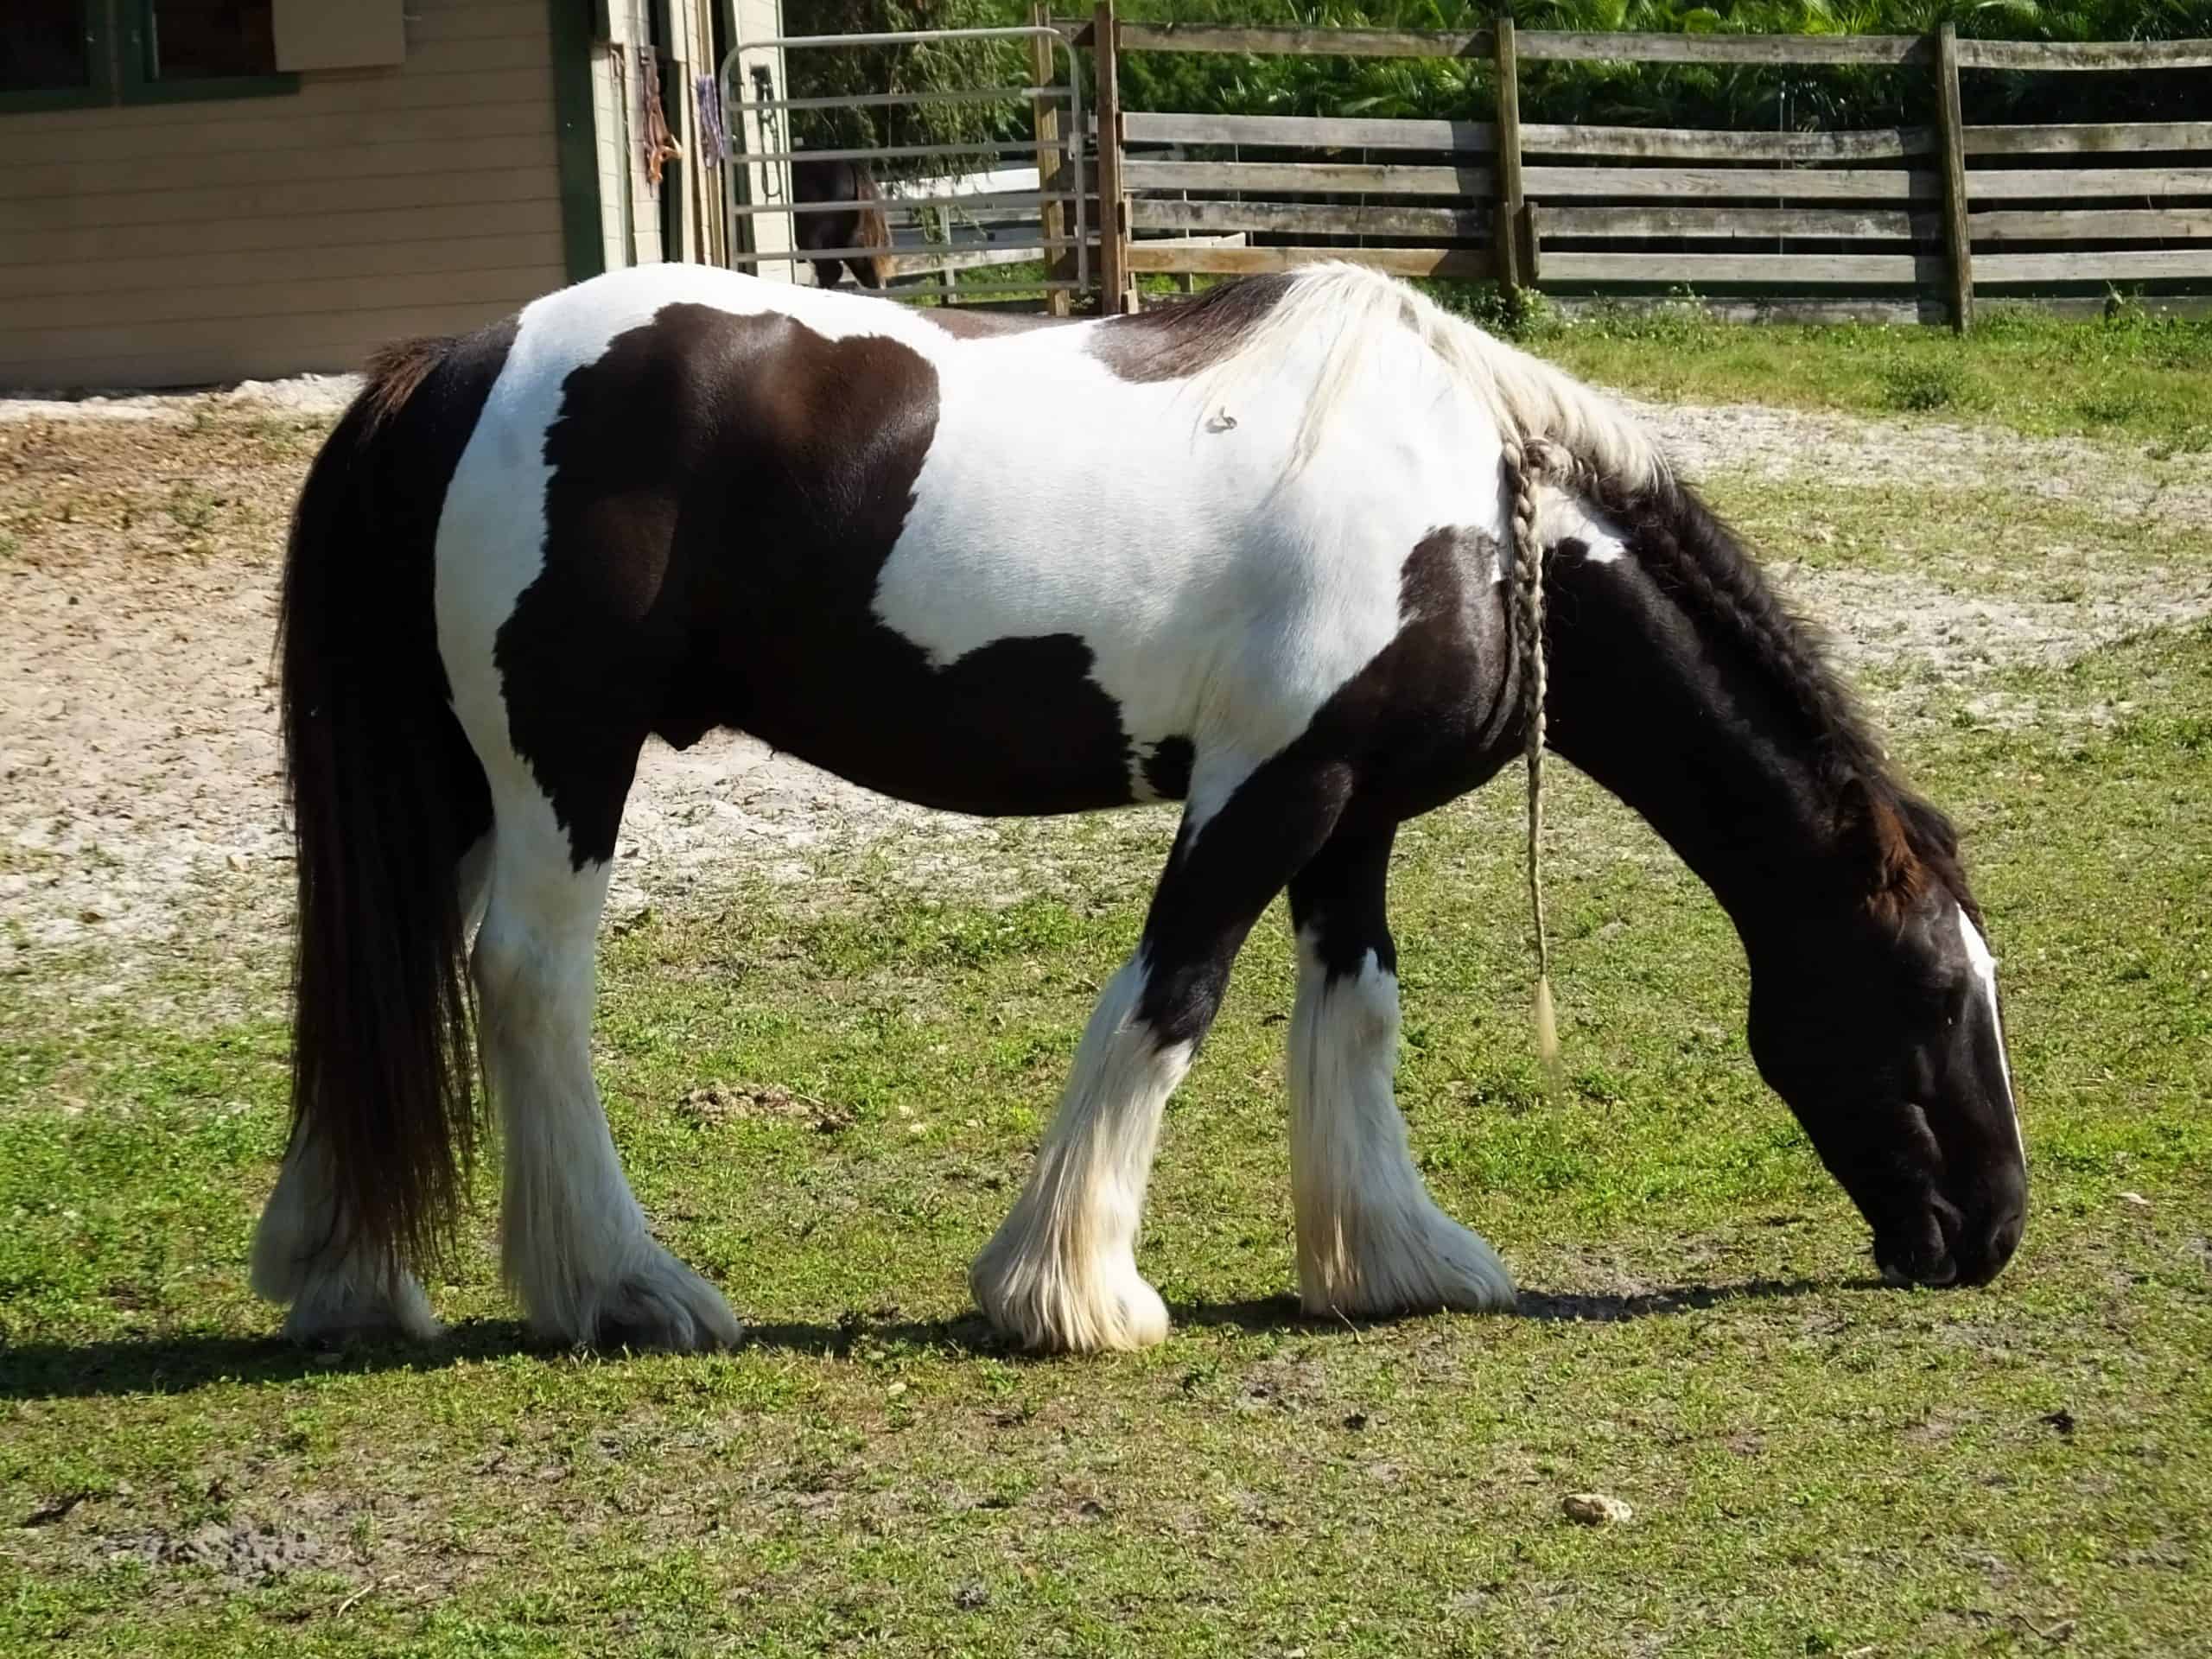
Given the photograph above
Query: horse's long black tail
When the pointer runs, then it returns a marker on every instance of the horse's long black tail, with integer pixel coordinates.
(387, 795)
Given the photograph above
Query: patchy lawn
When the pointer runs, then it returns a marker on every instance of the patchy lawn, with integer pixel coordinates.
(828, 1035)
(2132, 375)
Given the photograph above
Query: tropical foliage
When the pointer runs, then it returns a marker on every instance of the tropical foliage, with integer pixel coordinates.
(1653, 94)
(1674, 94)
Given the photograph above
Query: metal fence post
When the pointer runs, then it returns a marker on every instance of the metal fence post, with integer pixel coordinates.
(1113, 218)
(1506, 229)
(1957, 239)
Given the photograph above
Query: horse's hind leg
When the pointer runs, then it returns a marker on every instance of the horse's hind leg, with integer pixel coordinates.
(332, 1291)
(1370, 1240)
(1061, 1272)
(574, 1243)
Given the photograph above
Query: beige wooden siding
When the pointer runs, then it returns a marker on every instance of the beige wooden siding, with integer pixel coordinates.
(169, 243)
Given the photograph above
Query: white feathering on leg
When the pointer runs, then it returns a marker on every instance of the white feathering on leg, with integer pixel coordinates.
(1061, 1272)
(1370, 1240)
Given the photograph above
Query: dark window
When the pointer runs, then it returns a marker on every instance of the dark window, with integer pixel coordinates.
(43, 47)
(208, 40)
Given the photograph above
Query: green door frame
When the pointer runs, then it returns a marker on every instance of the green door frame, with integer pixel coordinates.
(584, 246)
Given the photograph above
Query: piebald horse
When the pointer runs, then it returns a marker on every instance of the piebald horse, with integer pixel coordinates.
(1303, 596)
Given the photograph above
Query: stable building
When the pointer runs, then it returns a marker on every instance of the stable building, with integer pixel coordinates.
(195, 191)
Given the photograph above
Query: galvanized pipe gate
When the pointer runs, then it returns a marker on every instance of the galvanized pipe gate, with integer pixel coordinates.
(758, 154)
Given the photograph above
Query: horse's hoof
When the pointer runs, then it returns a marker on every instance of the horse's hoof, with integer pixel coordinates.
(1049, 1310)
(1405, 1264)
(335, 1310)
(656, 1304)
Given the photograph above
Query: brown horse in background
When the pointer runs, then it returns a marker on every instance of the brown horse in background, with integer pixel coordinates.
(864, 227)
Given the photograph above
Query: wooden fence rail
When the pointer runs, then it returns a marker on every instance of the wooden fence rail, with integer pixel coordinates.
(1898, 217)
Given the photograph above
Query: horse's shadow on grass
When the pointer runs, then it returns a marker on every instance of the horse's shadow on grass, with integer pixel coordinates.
(182, 1364)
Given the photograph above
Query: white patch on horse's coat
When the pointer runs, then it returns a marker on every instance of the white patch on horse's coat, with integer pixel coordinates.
(332, 1291)
(1984, 964)
(1224, 595)
(1218, 601)
(1061, 1272)
(1563, 516)
(1370, 1240)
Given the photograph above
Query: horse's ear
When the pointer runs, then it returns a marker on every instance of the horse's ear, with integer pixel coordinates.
(1878, 842)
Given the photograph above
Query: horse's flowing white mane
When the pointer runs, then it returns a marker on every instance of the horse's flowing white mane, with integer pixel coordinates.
(1349, 306)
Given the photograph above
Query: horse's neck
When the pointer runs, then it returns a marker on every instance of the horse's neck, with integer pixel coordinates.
(1662, 706)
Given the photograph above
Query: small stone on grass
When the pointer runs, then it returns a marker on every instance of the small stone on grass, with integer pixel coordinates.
(1596, 1510)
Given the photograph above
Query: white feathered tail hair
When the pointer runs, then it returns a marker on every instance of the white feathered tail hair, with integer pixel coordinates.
(1549, 425)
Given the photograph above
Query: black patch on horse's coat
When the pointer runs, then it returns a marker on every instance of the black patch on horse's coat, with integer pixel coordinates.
(1167, 768)
(1339, 900)
(725, 491)
(1803, 708)
(1173, 342)
(1429, 717)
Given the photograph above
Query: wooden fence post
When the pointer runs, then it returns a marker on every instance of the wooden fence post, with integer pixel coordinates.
(1053, 217)
(1113, 218)
(1951, 130)
(1506, 228)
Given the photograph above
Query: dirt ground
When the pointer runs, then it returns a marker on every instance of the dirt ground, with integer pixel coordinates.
(139, 541)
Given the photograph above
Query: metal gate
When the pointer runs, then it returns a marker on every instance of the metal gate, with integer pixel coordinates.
(945, 215)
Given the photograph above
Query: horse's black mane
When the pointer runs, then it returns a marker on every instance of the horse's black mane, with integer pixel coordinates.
(1687, 548)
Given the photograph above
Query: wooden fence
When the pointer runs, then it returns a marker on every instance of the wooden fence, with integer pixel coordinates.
(1910, 222)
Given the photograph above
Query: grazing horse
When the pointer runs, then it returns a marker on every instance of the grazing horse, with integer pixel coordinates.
(863, 227)
(1306, 602)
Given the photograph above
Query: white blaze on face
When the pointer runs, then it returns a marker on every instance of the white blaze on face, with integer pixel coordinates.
(1985, 972)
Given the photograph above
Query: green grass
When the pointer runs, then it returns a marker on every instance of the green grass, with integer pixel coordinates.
(2129, 375)
(1816, 1464)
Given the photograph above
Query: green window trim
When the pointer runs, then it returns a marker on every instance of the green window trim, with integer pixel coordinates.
(573, 24)
(141, 85)
(126, 47)
(190, 89)
(93, 97)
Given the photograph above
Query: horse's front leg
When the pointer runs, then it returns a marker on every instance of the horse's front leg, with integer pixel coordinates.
(1061, 1273)
(1370, 1240)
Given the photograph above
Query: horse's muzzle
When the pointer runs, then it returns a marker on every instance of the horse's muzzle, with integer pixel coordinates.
(1944, 1247)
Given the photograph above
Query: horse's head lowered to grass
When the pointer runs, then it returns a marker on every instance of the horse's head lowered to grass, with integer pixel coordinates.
(1874, 1011)
(1877, 1021)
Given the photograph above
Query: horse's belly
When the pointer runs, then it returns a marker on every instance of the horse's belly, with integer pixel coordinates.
(1017, 726)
